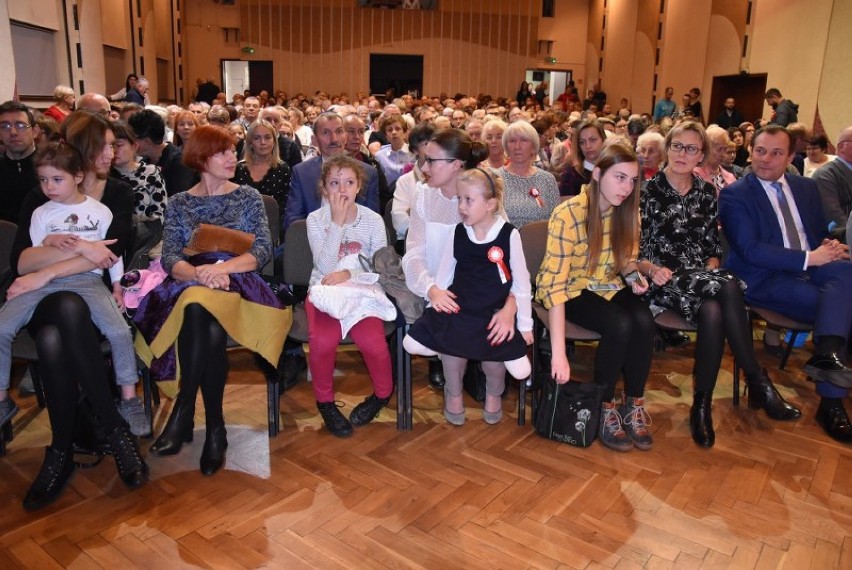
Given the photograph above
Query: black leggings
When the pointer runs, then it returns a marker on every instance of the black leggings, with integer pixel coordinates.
(626, 327)
(203, 362)
(70, 360)
(723, 316)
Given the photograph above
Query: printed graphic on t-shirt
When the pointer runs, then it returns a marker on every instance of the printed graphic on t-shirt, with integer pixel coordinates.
(73, 225)
(348, 248)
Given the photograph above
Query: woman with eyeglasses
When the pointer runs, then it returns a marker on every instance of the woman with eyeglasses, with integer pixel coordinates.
(432, 224)
(680, 253)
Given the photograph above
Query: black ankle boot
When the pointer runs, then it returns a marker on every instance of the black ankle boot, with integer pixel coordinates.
(55, 473)
(125, 450)
(213, 454)
(701, 419)
(335, 422)
(436, 374)
(762, 394)
(178, 429)
(366, 411)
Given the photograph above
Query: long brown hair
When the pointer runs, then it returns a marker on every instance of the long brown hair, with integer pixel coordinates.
(624, 232)
(579, 157)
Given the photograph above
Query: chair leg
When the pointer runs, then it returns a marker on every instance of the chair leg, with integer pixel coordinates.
(794, 335)
(736, 383)
(5, 435)
(273, 406)
(403, 381)
(39, 389)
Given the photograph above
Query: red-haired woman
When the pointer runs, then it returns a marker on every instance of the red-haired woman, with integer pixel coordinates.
(215, 292)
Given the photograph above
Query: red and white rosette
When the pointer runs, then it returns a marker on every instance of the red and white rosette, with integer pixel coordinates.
(495, 256)
(537, 195)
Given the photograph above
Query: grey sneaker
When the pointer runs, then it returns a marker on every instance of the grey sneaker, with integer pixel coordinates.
(636, 421)
(8, 409)
(134, 414)
(612, 434)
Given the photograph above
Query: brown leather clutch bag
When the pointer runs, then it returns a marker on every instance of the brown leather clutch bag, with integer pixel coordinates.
(211, 238)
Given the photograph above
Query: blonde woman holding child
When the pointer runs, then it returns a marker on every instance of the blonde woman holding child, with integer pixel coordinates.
(482, 265)
(434, 218)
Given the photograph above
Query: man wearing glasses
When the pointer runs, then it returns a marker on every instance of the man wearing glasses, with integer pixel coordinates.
(16, 165)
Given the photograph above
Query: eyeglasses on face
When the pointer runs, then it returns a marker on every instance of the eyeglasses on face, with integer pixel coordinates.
(18, 126)
(690, 149)
(430, 160)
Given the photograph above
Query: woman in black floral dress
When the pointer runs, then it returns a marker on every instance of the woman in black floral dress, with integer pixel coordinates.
(680, 252)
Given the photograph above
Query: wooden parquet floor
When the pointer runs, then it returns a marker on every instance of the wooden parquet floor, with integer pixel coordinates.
(768, 495)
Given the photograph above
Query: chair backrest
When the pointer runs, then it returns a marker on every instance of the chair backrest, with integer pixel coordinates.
(298, 260)
(534, 240)
(273, 216)
(7, 238)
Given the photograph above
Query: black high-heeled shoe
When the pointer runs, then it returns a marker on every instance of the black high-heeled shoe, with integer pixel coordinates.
(701, 419)
(213, 454)
(178, 429)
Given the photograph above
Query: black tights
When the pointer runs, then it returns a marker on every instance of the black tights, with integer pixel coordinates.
(723, 316)
(626, 327)
(203, 362)
(70, 360)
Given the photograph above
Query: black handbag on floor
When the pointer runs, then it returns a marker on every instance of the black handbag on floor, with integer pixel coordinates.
(570, 412)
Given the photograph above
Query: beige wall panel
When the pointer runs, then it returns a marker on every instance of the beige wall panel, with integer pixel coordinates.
(619, 50)
(568, 30)
(836, 82)
(685, 36)
(642, 87)
(7, 58)
(92, 47)
(115, 21)
(163, 28)
(723, 54)
(44, 13)
(789, 43)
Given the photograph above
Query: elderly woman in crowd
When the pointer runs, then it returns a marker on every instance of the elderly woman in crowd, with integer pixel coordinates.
(530, 193)
(216, 237)
(650, 148)
(492, 136)
(710, 170)
(587, 143)
(64, 103)
(262, 167)
(680, 253)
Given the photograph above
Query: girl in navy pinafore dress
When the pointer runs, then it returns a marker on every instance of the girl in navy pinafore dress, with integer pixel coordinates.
(484, 265)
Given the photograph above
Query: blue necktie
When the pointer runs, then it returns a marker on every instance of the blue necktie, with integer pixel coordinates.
(789, 223)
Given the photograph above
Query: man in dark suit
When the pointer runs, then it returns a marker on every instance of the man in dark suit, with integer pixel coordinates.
(304, 198)
(730, 115)
(779, 242)
(834, 181)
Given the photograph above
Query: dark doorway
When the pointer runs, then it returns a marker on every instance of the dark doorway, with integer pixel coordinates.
(402, 73)
(260, 77)
(747, 90)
